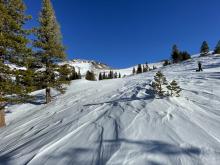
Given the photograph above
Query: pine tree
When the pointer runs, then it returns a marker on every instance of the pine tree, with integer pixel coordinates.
(50, 46)
(139, 69)
(79, 74)
(90, 76)
(115, 75)
(175, 55)
(166, 62)
(159, 81)
(13, 36)
(204, 50)
(217, 48)
(13, 45)
(185, 55)
(133, 71)
(100, 76)
(119, 76)
(174, 89)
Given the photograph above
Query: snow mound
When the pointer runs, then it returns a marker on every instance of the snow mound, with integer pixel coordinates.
(121, 122)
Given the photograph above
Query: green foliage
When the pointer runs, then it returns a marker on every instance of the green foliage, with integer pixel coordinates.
(204, 50)
(217, 48)
(50, 47)
(175, 55)
(13, 36)
(174, 89)
(100, 76)
(139, 69)
(159, 81)
(166, 62)
(133, 71)
(90, 76)
(185, 55)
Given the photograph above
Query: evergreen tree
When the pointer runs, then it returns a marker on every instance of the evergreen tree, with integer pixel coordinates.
(174, 88)
(119, 76)
(13, 45)
(166, 62)
(100, 76)
(104, 76)
(159, 81)
(65, 73)
(133, 71)
(217, 48)
(204, 50)
(79, 74)
(185, 55)
(13, 36)
(115, 75)
(90, 76)
(175, 55)
(50, 46)
(139, 69)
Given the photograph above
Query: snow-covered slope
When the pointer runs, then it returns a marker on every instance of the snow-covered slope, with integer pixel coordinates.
(97, 67)
(119, 122)
(86, 65)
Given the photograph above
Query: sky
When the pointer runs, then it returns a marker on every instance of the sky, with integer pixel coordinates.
(122, 33)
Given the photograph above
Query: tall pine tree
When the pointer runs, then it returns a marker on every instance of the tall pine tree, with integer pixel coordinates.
(217, 48)
(175, 55)
(13, 46)
(50, 47)
(204, 50)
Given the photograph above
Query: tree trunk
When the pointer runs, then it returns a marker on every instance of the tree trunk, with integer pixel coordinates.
(48, 95)
(2, 118)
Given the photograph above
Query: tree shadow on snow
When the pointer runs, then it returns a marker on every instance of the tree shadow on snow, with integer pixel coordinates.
(150, 94)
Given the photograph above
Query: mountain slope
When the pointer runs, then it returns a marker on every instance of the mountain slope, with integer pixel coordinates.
(121, 122)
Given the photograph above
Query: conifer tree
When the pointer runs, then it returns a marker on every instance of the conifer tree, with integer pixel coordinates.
(13, 45)
(159, 81)
(50, 46)
(115, 75)
(133, 71)
(13, 36)
(139, 69)
(175, 55)
(166, 62)
(90, 76)
(119, 76)
(204, 50)
(100, 76)
(185, 55)
(79, 74)
(217, 48)
(174, 89)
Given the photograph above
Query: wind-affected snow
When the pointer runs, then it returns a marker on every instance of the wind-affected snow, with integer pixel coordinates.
(120, 122)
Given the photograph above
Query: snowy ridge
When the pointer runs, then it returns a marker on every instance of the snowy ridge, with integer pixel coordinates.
(121, 122)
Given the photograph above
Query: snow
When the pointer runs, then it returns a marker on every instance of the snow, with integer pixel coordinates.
(120, 122)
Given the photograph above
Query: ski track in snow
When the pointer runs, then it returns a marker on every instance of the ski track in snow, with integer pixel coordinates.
(120, 122)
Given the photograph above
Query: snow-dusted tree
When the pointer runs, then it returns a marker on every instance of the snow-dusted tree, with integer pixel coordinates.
(50, 47)
(119, 76)
(158, 83)
(217, 48)
(204, 50)
(174, 89)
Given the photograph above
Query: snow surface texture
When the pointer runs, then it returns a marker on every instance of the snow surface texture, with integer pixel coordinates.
(120, 122)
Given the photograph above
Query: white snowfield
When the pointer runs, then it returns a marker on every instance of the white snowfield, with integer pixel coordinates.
(120, 122)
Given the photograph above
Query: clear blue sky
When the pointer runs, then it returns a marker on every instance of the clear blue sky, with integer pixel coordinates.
(122, 33)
